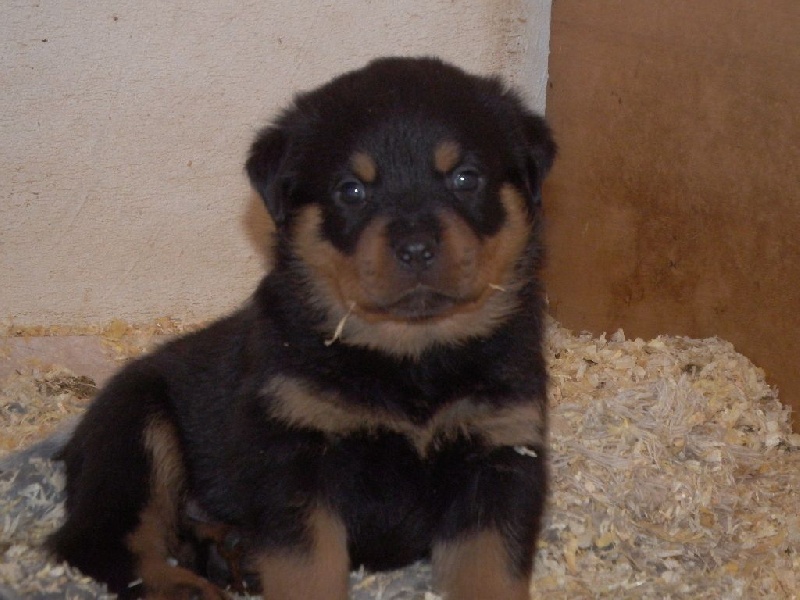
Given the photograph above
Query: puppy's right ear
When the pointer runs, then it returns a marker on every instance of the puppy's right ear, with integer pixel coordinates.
(540, 154)
(266, 168)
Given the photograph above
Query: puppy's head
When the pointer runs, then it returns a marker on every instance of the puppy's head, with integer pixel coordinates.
(406, 196)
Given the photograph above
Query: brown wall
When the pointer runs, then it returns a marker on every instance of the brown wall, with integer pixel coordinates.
(675, 205)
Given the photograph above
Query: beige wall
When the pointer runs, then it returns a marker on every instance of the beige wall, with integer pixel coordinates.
(124, 126)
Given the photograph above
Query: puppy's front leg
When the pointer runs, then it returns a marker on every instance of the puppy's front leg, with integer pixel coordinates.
(477, 566)
(484, 549)
(318, 570)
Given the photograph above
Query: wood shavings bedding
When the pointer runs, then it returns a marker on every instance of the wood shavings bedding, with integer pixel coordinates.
(674, 474)
(33, 404)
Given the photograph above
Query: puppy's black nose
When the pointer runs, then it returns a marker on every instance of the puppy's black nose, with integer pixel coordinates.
(417, 252)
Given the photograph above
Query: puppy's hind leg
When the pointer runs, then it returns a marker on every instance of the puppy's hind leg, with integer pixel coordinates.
(107, 470)
(124, 481)
(153, 540)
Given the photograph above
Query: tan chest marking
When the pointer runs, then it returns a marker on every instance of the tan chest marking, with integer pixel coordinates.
(296, 402)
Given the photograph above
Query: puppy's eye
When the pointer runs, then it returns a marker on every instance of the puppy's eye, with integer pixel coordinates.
(350, 192)
(466, 179)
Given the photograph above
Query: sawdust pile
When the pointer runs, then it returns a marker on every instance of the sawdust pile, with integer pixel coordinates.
(35, 403)
(674, 474)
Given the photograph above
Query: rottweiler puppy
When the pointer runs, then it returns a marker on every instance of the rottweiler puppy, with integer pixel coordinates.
(381, 397)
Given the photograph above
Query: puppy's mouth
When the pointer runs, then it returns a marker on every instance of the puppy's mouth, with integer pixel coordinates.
(422, 303)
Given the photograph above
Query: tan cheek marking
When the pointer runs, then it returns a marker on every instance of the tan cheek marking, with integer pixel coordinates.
(489, 264)
(330, 271)
(376, 268)
(477, 567)
(319, 574)
(462, 253)
(502, 251)
(154, 539)
(364, 167)
(340, 280)
(347, 285)
(446, 155)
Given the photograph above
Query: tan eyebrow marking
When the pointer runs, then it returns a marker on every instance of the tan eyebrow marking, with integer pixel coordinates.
(364, 167)
(446, 155)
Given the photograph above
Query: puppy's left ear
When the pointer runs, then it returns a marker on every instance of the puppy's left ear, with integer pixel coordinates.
(267, 170)
(540, 152)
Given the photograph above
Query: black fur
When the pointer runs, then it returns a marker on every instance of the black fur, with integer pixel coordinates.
(263, 476)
